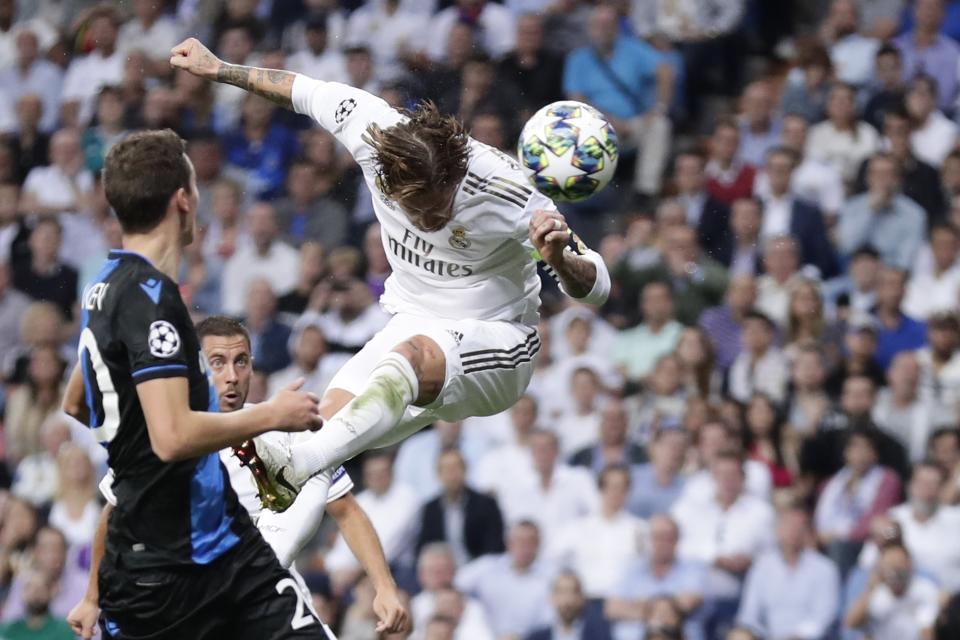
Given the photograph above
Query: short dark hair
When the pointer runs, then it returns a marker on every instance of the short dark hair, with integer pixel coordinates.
(754, 314)
(889, 50)
(222, 327)
(140, 175)
(419, 159)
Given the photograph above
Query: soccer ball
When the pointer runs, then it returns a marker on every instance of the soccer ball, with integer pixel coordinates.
(568, 150)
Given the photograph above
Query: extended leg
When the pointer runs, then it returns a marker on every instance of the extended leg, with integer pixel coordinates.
(412, 374)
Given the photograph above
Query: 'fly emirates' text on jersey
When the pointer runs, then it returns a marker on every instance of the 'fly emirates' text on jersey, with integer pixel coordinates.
(479, 266)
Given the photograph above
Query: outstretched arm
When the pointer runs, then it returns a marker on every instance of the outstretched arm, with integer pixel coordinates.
(273, 84)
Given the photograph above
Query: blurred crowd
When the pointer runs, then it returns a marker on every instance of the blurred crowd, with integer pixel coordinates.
(756, 438)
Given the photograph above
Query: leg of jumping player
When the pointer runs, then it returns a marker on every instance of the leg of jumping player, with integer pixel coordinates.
(412, 374)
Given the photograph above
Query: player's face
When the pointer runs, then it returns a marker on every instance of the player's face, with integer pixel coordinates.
(430, 214)
(232, 368)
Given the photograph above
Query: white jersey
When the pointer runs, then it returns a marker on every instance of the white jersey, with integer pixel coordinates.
(479, 266)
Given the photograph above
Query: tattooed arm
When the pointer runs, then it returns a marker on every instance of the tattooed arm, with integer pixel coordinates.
(272, 84)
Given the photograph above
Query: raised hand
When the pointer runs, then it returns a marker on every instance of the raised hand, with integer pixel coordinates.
(191, 55)
(295, 410)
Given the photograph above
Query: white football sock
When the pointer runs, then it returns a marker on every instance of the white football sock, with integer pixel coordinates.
(391, 388)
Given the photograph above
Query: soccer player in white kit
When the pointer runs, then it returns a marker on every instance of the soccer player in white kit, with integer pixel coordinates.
(463, 230)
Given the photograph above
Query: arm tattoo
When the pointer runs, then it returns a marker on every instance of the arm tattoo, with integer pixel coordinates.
(577, 274)
(273, 84)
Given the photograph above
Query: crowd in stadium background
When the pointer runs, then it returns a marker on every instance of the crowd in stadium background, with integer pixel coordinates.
(756, 437)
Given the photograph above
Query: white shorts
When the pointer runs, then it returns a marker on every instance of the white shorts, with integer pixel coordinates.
(489, 365)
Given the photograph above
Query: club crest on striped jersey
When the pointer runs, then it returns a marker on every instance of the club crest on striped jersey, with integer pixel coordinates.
(458, 238)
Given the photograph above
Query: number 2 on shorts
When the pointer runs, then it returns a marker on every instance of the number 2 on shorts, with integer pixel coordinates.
(300, 618)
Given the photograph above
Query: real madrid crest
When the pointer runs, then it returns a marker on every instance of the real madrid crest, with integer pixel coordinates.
(458, 238)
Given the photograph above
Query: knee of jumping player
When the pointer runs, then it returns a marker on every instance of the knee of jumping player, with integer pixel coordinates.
(428, 362)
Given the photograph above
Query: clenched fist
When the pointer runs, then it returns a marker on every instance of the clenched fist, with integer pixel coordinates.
(191, 55)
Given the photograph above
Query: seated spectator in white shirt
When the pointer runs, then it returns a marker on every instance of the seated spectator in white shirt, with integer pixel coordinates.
(87, 74)
(792, 591)
(513, 587)
(657, 484)
(436, 571)
(761, 366)
(781, 263)
(904, 412)
(579, 426)
(842, 139)
(495, 22)
(320, 58)
(265, 257)
(934, 135)
(391, 31)
(659, 572)
(554, 494)
(638, 349)
(938, 290)
(34, 74)
(393, 509)
(897, 603)
(151, 32)
(940, 362)
(35, 479)
(727, 533)
(597, 546)
(312, 360)
(852, 53)
(929, 530)
(510, 464)
(613, 447)
(353, 316)
(861, 490)
(715, 438)
(664, 398)
(65, 185)
(417, 458)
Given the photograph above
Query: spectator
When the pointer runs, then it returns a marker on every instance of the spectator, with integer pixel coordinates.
(925, 50)
(151, 32)
(310, 272)
(883, 217)
(726, 532)
(940, 361)
(807, 323)
(855, 296)
(860, 490)
(630, 82)
(65, 185)
(761, 366)
(659, 573)
(307, 215)
(269, 338)
(390, 30)
(554, 494)
(759, 122)
(695, 356)
(474, 94)
(392, 509)
(87, 74)
(697, 280)
(928, 294)
(510, 464)
(531, 66)
(792, 591)
(663, 399)
(75, 510)
(319, 59)
(765, 440)
(852, 54)
(13, 304)
(889, 91)
(897, 603)
(724, 324)
(36, 478)
(38, 591)
(513, 587)
(97, 140)
(493, 21)
(741, 251)
(596, 546)
(806, 90)
(265, 257)
(436, 571)
(32, 74)
(614, 448)
(353, 317)
(896, 331)
(359, 62)
(29, 146)
(785, 214)
(716, 438)
(572, 617)
(781, 263)
(927, 528)
(311, 360)
(842, 139)
(728, 177)
(934, 135)
(579, 426)
(260, 147)
(708, 215)
(656, 485)
(49, 557)
(809, 401)
(29, 405)
(468, 521)
(637, 349)
(903, 412)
